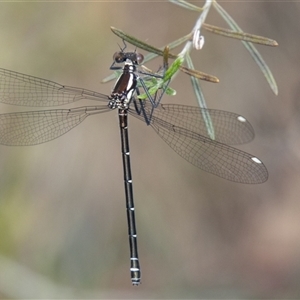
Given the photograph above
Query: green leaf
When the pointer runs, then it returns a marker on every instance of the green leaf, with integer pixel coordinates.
(172, 45)
(173, 69)
(169, 91)
(112, 76)
(153, 85)
(247, 37)
(199, 75)
(142, 45)
(201, 101)
(249, 46)
(186, 5)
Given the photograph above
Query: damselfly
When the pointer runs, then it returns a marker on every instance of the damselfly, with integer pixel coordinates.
(181, 127)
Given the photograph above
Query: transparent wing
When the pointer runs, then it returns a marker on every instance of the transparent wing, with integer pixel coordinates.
(36, 127)
(183, 129)
(229, 128)
(25, 90)
(211, 156)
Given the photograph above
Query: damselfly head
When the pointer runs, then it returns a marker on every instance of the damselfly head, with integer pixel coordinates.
(134, 57)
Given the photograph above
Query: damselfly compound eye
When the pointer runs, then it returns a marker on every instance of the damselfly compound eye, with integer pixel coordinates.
(139, 58)
(119, 57)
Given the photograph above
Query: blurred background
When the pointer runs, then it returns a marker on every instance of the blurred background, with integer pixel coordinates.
(63, 228)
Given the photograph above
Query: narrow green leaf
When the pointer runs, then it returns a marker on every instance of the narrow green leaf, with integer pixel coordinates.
(173, 69)
(153, 86)
(186, 5)
(247, 37)
(166, 57)
(142, 45)
(201, 101)
(249, 46)
(199, 75)
(159, 83)
(111, 77)
(172, 45)
(170, 91)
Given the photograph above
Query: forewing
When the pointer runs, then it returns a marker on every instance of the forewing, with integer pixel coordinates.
(229, 128)
(25, 90)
